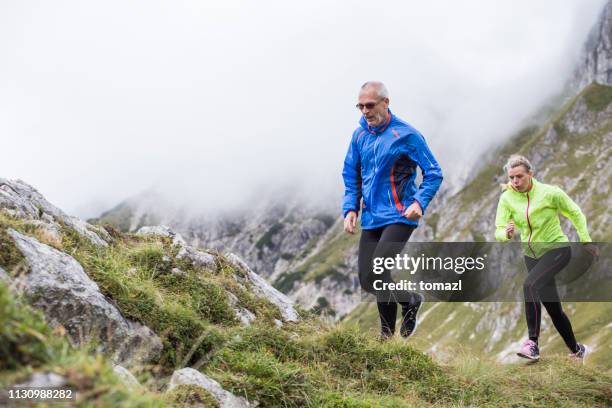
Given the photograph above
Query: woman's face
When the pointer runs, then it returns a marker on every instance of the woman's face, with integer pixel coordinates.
(520, 178)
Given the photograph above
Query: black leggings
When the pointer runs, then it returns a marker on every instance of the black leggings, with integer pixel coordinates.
(386, 241)
(540, 288)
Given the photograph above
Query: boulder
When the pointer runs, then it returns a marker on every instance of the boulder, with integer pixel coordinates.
(57, 284)
(126, 377)
(263, 289)
(189, 376)
(23, 201)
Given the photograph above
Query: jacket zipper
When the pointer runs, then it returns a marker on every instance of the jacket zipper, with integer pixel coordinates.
(530, 229)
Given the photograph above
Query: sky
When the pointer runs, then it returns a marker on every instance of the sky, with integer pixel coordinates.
(211, 103)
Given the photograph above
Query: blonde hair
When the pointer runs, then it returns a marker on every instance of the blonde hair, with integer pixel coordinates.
(517, 160)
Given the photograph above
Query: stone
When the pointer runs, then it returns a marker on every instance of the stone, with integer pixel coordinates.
(126, 377)
(57, 284)
(263, 289)
(43, 380)
(23, 201)
(189, 376)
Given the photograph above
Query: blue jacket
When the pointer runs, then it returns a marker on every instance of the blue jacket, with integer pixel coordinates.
(380, 167)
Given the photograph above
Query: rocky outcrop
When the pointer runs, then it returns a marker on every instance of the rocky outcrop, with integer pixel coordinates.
(57, 284)
(596, 61)
(266, 291)
(197, 258)
(189, 376)
(23, 201)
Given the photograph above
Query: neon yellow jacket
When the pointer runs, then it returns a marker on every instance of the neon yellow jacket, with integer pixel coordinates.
(536, 216)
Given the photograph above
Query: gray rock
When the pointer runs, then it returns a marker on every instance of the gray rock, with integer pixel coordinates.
(21, 200)
(43, 380)
(57, 284)
(198, 258)
(189, 376)
(596, 64)
(126, 377)
(4, 276)
(265, 290)
(245, 315)
(162, 231)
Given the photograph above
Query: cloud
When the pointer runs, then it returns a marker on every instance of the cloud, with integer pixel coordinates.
(212, 101)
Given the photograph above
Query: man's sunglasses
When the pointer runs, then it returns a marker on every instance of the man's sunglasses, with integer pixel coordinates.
(369, 105)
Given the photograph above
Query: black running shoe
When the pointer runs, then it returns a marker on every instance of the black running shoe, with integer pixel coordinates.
(409, 316)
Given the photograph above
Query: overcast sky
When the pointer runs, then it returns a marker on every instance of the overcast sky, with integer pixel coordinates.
(102, 100)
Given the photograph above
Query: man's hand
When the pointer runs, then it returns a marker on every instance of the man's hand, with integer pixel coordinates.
(593, 250)
(510, 229)
(414, 212)
(350, 221)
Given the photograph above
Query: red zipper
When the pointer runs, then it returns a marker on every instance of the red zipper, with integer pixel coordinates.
(530, 229)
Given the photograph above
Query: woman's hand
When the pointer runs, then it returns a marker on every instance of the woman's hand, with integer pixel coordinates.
(350, 221)
(413, 212)
(510, 229)
(592, 249)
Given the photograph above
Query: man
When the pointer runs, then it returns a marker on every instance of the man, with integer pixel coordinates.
(379, 177)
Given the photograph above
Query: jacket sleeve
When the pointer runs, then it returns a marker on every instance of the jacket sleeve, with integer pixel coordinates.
(502, 218)
(351, 174)
(571, 211)
(432, 172)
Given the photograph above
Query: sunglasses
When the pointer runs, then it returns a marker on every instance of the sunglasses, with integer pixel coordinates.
(369, 105)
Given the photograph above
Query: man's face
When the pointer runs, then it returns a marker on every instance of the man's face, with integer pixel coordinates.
(377, 115)
(520, 178)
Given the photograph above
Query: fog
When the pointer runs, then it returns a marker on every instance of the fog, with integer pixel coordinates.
(214, 102)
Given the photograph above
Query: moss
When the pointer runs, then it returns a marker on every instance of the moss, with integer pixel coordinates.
(24, 336)
(597, 97)
(10, 256)
(190, 395)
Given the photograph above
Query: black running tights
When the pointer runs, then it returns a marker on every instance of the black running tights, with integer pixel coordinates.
(386, 241)
(540, 289)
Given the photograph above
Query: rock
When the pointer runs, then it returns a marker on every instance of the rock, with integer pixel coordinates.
(245, 315)
(57, 284)
(596, 64)
(198, 258)
(23, 201)
(189, 376)
(4, 276)
(126, 377)
(265, 290)
(43, 380)
(162, 231)
(178, 272)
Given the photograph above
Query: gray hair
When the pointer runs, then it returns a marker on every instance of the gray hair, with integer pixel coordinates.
(517, 160)
(381, 89)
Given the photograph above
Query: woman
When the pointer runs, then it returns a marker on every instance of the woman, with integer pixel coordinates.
(380, 168)
(532, 208)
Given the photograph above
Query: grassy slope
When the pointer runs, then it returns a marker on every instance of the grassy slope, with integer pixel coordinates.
(305, 364)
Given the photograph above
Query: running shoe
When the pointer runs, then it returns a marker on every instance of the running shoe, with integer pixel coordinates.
(581, 354)
(409, 316)
(529, 350)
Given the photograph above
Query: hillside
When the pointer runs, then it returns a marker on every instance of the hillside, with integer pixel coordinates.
(205, 310)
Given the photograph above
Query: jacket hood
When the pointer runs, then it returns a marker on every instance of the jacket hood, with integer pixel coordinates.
(379, 129)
